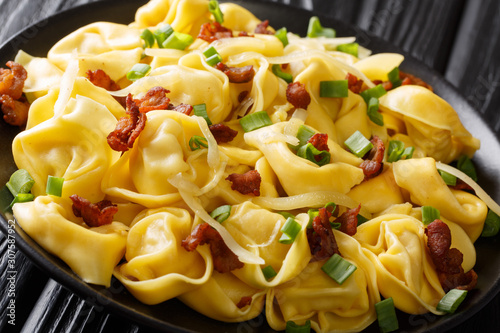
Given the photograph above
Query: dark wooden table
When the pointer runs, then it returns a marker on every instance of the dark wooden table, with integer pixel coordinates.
(457, 38)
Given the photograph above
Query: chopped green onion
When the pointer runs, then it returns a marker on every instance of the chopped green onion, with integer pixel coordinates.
(255, 121)
(213, 7)
(372, 112)
(331, 205)
(304, 134)
(315, 29)
(286, 215)
(281, 34)
(269, 272)
(358, 144)
(491, 224)
(20, 182)
(376, 92)
(290, 230)
(6, 199)
(312, 214)
(291, 327)
(338, 268)
(54, 186)
(448, 178)
(429, 214)
(148, 38)
(22, 197)
(350, 48)
(210, 52)
(408, 153)
(336, 88)
(196, 142)
(279, 73)
(397, 151)
(393, 77)
(161, 34)
(450, 302)
(200, 110)
(361, 219)
(309, 152)
(213, 57)
(138, 71)
(220, 214)
(465, 165)
(386, 315)
(178, 41)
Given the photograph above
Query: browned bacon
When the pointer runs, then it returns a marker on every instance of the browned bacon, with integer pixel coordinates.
(412, 79)
(244, 301)
(262, 28)
(101, 79)
(154, 99)
(373, 166)
(213, 31)
(128, 128)
(247, 183)
(12, 80)
(297, 95)
(321, 239)
(319, 141)
(222, 133)
(237, 74)
(353, 83)
(15, 112)
(349, 221)
(182, 108)
(94, 215)
(224, 259)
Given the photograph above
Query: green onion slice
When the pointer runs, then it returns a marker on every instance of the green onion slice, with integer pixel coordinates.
(220, 214)
(350, 48)
(312, 213)
(210, 52)
(448, 178)
(309, 152)
(54, 186)
(315, 29)
(336, 88)
(214, 60)
(201, 111)
(450, 302)
(290, 230)
(372, 112)
(269, 272)
(429, 214)
(386, 315)
(338, 268)
(397, 151)
(178, 41)
(286, 215)
(6, 199)
(276, 68)
(376, 92)
(361, 219)
(358, 144)
(491, 224)
(291, 327)
(20, 182)
(148, 38)
(213, 7)
(393, 76)
(196, 142)
(138, 71)
(465, 165)
(304, 133)
(161, 34)
(22, 197)
(255, 121)
(281, 34)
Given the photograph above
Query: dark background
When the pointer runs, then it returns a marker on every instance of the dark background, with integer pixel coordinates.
(457, 38)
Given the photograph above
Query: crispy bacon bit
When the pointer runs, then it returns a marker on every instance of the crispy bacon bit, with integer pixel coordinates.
(242, 95)
(213, 31)
(386, 84)
(412, 79)
(182, 108)
(154, 99)
(15, 111)
(237, 74)
(462, 186)
(128, 128)
(101, 79)
(247, 183)
(223, 133)
(244, 34)
(224, 259)
(349, 221)
(353, 83)
(94, 215)
(262, 28)
(297, 95)
(244, 301)
(448, 261)
(372, 166)
(321, 239)
(319, 141)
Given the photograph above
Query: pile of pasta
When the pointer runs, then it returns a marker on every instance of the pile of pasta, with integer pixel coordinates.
(164, 189)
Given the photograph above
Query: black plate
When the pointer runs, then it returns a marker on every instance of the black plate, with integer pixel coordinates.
(173, 316)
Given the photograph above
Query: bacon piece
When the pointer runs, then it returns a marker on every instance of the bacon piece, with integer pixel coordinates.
(321, 239)
(15, 111)
(242, 95)
(319, 141)
(349, 221)
(128, 128)
(237, 74)
(224, 259)
(448, 261)
(214, 31)
(262, 28)
(353, 83)
(412, 79)
(182, 108)
(223, 133)
(244, 34)
(372, 166)
(101, 79)
(94, 215)
(244, 301)
(297, 95)
(247, 183)
(462, 186)
(12, 80)
(154, 99)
